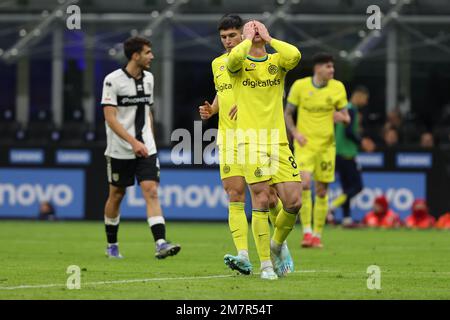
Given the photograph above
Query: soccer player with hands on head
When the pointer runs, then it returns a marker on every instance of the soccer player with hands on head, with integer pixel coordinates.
(257, 80)
(231, 171)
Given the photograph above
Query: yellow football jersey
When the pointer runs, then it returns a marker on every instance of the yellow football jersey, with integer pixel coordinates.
(258, 87)
(315, 109)
(225, 96)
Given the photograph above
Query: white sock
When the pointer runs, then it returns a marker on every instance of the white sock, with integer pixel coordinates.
(317, 235)
(275, 246)
(266, 264)
(243, 253)
(112, 221)
(307, 230)
(160, 241)
(155, 220)
(112, 244)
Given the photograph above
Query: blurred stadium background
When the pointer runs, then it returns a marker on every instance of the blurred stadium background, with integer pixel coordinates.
(52, 127)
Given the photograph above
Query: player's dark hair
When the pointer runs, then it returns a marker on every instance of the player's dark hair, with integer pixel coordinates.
(230, 21)
(361, 89)
(322, 57)
(134, 44)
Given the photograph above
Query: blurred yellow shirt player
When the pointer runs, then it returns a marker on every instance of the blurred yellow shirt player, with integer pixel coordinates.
(229, 166)
(319, 101)
(315, 110)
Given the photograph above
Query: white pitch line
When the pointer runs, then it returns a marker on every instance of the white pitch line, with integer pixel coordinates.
(41, 286)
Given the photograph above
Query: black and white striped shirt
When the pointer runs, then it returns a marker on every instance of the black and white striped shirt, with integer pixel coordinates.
(133, 99)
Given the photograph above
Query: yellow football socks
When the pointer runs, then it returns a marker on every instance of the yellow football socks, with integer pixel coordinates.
(261, 233)
(283, 226)
(237, 221)
(320, 214)
(339, 201)
(306, 210)
(273, 212)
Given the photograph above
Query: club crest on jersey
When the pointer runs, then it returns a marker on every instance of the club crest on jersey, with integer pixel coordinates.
(258, 173)
(226, 169)
(115, 177)
(222, 68)
(139, 87)
(253, 65)
(273, 69)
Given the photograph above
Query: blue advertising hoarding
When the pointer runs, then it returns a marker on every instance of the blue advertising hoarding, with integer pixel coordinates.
(400, 190)
(22, 190)
(198, 194)
(184, 195)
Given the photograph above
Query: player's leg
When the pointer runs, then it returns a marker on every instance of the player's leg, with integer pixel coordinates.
(306, 210)
(256, 169)
(320, 212)
(147, 173)
(238, 224)
(275, 205)
(343, 178)
(290, 194)
(306, 162)
(287, 182)
(324, 174)
(120, 175)
(260, 226)
(352, 186)
(112, 220)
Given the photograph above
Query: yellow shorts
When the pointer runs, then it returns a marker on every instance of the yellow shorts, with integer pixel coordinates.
(229, 166)
(320, 163)
(271, 163)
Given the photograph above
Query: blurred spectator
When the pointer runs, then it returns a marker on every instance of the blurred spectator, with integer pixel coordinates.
(381, 216)
(394, 119)
(427, 140)
(420, 218)
(443, 222)
(390, 137)
(367, 144)
(348, 143)
(46, 211)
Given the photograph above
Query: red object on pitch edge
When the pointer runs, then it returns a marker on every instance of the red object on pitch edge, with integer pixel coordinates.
(443, 221)
(381, 216)
(420, 217)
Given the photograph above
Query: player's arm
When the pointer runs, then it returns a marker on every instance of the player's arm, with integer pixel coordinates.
(110, 113)
(239, 53)
(150, 115)
(293, 101)
(289, 54)
(349, 133)
(342, 116)
(292, 129)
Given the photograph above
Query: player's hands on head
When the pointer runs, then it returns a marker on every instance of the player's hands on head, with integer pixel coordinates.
(205, 111)
(249, 30)
(262, 31)
(301, 139)
(233, 112)
(139, 149)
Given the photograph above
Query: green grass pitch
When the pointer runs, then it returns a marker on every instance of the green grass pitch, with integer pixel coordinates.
(35, 255)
